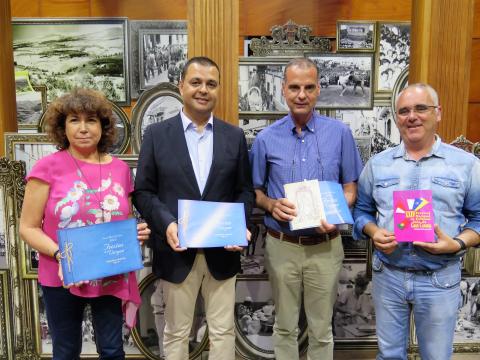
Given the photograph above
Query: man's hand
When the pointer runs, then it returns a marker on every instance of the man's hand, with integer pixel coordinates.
(172, 237)
(444, 245)
(238, 248)
(282, 209)
(325, 227)
(143, 232)
(384, 241)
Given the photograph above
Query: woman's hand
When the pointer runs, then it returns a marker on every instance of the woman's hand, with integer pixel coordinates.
(143, 232)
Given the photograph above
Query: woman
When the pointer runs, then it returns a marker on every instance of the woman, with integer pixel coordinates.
(80, 185)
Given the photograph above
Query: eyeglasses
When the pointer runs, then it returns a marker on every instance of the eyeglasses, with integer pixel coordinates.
(417, 109)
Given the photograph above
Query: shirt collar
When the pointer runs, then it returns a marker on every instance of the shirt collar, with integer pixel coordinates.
(436, 149)
(188, 123)
(310, 125)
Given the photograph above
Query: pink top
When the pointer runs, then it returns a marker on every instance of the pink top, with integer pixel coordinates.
(77, 192)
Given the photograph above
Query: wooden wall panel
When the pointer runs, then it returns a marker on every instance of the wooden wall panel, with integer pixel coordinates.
(64, 8)
(476, 23)
(141, 10)
(473, 131)
(25, 8)
(257, 17)
(475, 72)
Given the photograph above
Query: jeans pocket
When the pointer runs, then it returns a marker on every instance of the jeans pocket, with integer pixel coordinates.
(446, 277)
(377, 264)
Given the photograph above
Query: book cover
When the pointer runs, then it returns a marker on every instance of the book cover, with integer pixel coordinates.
(204, 224)
(97, 251)
(315, 201)
(413, 216)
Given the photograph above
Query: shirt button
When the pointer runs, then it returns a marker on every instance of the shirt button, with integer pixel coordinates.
(303, 141)
(303, 160)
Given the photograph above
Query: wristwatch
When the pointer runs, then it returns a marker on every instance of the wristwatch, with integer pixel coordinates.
(461, 242)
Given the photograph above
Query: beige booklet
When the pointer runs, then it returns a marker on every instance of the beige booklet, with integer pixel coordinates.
(308, 201)
(316, 201)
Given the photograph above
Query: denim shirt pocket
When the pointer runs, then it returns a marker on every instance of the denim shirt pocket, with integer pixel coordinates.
(448, 195)
(383, 191)
(446, 182)
(447, 277)
(377, 264)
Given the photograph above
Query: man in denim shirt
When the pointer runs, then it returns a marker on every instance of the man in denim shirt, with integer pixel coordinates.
(419, 277)
(302, 146)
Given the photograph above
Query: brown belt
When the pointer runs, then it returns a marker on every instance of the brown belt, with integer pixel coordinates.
(304, 240)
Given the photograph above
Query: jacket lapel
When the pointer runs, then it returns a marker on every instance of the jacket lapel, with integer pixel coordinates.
(180, 150)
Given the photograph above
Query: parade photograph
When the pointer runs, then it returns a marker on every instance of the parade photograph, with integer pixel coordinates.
(345, 80)
(355, 36)
(162, 56)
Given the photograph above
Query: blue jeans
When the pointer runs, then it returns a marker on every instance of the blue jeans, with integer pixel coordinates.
(65, 315)
(432, 296)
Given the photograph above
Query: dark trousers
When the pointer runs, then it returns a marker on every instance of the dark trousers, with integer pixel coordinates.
(65, 315)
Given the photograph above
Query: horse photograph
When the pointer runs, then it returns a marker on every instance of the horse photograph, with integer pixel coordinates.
(345, 81)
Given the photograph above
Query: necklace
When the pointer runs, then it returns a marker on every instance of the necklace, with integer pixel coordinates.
(100, 204)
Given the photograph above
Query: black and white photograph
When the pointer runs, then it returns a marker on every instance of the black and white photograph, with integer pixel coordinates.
(254, 319)
(67, 53)
(154, 105)
(377, 125)
(393, 53)
(356, 36)
(354, 313)
(122, 126)
(162, 56)
(165, 27)
(345, 80)
(252, 258)
(31, 153)
(260, 87)
(148, 332)
(251, 127)
(467, 329)
(30, 102)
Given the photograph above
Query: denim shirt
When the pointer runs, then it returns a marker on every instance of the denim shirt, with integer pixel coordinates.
(325, 150)
(452, 174)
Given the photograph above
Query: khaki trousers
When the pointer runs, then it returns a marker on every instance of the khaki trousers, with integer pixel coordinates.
(315, 270)
(219, 297)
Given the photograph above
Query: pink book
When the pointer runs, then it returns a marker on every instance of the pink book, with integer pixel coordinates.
(413, 216)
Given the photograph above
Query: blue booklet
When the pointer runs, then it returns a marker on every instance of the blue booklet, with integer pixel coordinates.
(97, 251)
(203, 224)
(315, 201)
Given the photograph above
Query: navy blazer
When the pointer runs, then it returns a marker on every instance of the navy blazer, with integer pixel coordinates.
(165, 174)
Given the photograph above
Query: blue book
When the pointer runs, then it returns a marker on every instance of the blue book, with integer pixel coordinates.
(97, 251)
(203, 224)
(315, 201)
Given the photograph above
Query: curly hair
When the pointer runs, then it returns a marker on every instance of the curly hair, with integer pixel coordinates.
(80, 101)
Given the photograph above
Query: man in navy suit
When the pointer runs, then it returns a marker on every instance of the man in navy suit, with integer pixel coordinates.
(199, 157)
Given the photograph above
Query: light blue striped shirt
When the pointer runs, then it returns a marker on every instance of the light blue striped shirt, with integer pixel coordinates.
(200, 148)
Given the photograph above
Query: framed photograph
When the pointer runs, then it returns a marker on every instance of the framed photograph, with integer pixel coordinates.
(393, 54)
(251, 127)
(161, 29)
(6, 351)
(467, 330)
(345, 80)
(252, 258)
(74, 52)
(260, 88)
(30, 107)
(374, 130)
(254, 319)
(356, 36)
(154, 105)
(148, 332)
(28, 148)
(162, 55)
(354, 313)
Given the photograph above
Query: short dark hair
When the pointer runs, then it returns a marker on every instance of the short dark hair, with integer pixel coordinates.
(202, 60)
(80, 101)
(303, 63)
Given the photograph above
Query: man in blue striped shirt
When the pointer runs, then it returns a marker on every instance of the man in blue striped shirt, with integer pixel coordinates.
(302, 146)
